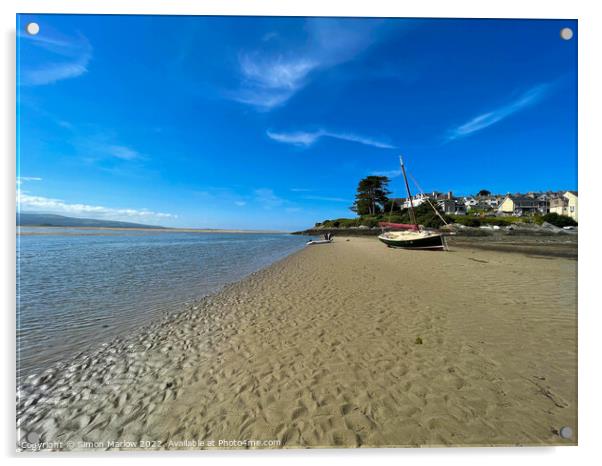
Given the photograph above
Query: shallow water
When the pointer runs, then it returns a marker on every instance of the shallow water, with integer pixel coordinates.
(80, 288)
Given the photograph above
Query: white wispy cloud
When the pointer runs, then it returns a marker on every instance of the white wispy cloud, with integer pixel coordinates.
(105, 146)
(121, 152)
(267, 199)
(53, 72)
(387, 173)
(276, 73)
(299, 138)
(480, 122)
(307, 138)
(325, 198)
(269, 82)
(27, 201)
(24, 179)
(67, 57)
(269, 78)
(92, 142)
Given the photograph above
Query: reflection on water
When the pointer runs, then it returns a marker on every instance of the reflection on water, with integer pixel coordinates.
(75, 291)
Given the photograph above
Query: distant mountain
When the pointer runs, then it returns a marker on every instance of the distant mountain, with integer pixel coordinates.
(27, 219)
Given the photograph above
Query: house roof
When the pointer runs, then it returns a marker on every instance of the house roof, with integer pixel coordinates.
(523, 201)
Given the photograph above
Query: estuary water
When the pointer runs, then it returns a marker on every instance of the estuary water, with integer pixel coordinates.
(79, 288)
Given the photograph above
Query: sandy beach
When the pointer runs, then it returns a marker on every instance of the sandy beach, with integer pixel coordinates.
(349, 344)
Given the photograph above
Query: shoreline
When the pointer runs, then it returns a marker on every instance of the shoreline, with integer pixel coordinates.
(30, 390)
(168, 314)
(172, 313)
(286, 374)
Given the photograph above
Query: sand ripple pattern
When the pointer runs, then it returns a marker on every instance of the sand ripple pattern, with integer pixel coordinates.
(350, 344)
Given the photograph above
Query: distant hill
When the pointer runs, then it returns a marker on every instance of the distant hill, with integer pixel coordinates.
(27, 219)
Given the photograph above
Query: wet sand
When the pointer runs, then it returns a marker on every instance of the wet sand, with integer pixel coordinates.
(346, 344)
(550, 246)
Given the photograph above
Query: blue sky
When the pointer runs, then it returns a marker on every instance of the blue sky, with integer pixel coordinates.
(234, 122)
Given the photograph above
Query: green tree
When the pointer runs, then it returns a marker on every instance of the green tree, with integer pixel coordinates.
(392, 206)
(372, 195)
(483, 192)
(425, 216)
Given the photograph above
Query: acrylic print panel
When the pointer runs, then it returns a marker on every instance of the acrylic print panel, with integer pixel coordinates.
(219, 245)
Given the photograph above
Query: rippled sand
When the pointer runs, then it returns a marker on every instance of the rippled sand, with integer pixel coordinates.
(346, 344)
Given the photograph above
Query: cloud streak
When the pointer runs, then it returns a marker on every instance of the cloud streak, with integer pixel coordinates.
(267, 199)
(121, 152)
(65, 58)
(480, 122)
(53, 72)
(26, 201)
(325, 198)
(308, 138)
(24, 179)
(269, 78)
(271, 81)
(105, 147)
(387, 173)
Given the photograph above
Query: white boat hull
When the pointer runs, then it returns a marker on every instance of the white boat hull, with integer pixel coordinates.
(319, 241)
(414, 240)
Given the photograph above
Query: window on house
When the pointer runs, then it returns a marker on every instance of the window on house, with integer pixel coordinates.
(572, 208)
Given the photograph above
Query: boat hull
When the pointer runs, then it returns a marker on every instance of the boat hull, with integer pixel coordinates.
(432, 242)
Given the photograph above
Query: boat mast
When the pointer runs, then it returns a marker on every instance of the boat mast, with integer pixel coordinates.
(405, 178)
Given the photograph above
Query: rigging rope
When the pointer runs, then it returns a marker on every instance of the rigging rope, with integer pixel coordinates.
(391, 211)
(427, 199)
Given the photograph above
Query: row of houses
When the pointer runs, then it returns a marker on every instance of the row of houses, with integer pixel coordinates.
(562, 203)
(533, 203)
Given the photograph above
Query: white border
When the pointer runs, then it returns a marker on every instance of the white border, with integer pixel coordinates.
(383, 8)
(590, 152)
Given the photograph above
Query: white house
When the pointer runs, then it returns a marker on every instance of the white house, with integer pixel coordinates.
(470, 202)
(566, 205)
(518, 205)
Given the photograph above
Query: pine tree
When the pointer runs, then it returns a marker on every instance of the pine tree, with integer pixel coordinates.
(372, 195)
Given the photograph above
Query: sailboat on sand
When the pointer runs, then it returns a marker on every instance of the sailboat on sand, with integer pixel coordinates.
(411, 236)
